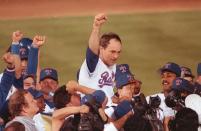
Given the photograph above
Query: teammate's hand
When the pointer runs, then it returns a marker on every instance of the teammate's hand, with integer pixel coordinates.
(71, 86)
(99, 20)
(84, 109)
(8, 58)
(102, 114)
(38, 41)
(17, 36)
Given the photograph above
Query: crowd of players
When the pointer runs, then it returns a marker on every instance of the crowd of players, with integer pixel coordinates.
(105, 96)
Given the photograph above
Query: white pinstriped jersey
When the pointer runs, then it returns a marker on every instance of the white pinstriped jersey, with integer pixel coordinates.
(102, 78)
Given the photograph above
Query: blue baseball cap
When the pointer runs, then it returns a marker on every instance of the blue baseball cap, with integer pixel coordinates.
(25, 46)
(48, 73)
(122, 109)
(181, 84)
(199, 69)
(186, 72)
(35, 93)
(123, 76)
(99, 96)
(171, 67)
(87, 99)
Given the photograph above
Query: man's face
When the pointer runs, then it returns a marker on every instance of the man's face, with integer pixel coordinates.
(125, 92)
(31, 108)
(48, 85)
(41, 103)
(111, 53)
(135, 87)
(167, 80)
(23, 65)
(28, 82)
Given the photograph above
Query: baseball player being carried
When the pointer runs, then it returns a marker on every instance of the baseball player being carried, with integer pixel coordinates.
(98, 69)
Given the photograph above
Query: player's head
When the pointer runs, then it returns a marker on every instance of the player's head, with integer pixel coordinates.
(22, 103)
(110, 48)
(168, 73)
(67, 98)
(25, 45)
(124, 80)
(187, 74)
(183, 86)
(38, 96)
(48, 80)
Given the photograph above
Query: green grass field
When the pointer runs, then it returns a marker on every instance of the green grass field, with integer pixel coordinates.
(149, 41)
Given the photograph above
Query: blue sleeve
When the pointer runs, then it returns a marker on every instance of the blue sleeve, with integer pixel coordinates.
(91, 59)
(32, 61)
(4, 112)
(5, 85)
(18, 83)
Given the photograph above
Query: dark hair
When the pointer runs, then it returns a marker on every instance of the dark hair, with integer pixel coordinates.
(186, 119)
(61, 97)
(105, 38)
(16, 102)
(15, 126)
(137, 123)
(71, 123)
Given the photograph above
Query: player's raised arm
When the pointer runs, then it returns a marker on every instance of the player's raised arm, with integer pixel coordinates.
(16, 37)
(94, 38)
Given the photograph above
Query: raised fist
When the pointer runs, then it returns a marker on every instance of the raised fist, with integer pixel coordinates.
(38, 41)
(8, 58)
(17, 36)
(99, 20)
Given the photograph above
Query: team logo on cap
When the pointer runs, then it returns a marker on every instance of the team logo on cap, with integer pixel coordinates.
(167, 66)
(23, 51)
(48, 71)
(122, 68)
(178, 82)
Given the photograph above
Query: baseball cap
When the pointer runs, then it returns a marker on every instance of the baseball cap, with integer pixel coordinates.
(48, 73)
(186, 72)
(25, 76)
(35, 93)
(181, 84)
(25, 46)
(99, 96)
(122, 109)
(199, 69)
(171, 67)
(123, 75)
(88, 98)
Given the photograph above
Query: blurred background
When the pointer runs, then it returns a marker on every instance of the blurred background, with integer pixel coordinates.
(153, 32)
